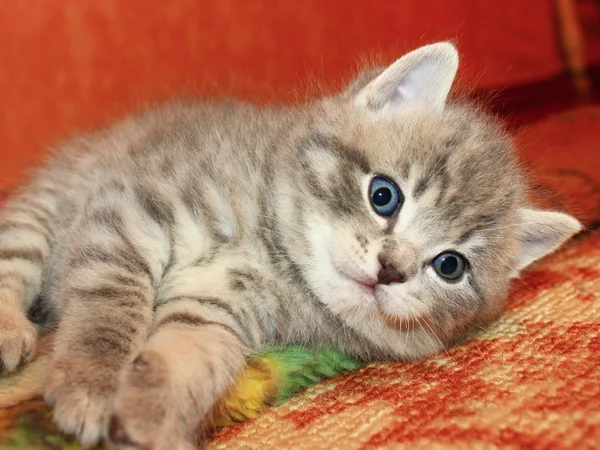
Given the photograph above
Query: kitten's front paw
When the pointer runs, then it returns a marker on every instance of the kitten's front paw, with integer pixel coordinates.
(147, 414)
(18, 339)
(81, 391)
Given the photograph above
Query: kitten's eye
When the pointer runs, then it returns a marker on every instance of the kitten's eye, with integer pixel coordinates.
(449, 265)
(385, 196)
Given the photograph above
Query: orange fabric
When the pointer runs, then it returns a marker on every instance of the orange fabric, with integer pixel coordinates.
(563, 154)
(67, 65)
(589, 17)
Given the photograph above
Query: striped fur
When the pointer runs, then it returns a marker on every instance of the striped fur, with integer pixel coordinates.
(174, 244)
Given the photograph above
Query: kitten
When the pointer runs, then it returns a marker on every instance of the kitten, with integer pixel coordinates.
(385, 221)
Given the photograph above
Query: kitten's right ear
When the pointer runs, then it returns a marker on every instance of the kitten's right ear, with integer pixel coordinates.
(542, 232)
(424, 75)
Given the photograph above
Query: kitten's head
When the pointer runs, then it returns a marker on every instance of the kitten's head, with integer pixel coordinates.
(408, 215)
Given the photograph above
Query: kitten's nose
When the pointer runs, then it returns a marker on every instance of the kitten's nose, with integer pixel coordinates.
(388, 273)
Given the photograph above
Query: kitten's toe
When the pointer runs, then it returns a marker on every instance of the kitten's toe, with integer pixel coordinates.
(81, 391)
(146, 413)
(18, 339)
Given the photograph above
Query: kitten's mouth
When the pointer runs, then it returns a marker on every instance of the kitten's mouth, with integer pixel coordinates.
(365, 284)
(361, 280)
(404, 324)
(368, 287)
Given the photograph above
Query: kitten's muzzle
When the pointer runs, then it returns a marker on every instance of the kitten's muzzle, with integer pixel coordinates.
(388, 273)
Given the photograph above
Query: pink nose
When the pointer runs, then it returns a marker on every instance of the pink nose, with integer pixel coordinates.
(388, 273)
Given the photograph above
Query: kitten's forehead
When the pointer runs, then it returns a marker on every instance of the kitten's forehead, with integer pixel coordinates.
(459, 164)
(457, 171)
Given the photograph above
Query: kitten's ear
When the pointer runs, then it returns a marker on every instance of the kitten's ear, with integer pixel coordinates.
(542, 232)
(424, 75)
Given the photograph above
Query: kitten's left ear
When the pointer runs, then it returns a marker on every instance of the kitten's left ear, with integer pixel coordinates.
(424, 75)
(542, 232)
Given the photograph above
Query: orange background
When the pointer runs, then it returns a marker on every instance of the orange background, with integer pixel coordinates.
(67, 65)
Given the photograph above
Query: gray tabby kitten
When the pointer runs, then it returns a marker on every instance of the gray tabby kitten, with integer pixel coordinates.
(384, 221)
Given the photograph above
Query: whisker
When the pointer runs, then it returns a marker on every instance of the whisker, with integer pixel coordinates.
(436, 336)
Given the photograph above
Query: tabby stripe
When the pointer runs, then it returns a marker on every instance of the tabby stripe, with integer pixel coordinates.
(41, 208)
(104, 341)
(132, 314)
(266, 223)
(245, 275)
(334, 145)
(107, 217)
(41, 219)
(421, 186)
(155, 206)
(475, 286)
(132, 262)
(483, 221)
(466, 236)
(220, 304)
(34, 255)
(134, 257)
(206, 259)
(256, 313)
(240, 281)
(124, 279)
(193, 320)
(8, 225)
(194, 200)
(443, 188)
(109, 292)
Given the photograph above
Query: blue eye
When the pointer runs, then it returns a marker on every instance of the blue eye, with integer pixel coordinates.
(385, 196)
(449, 265)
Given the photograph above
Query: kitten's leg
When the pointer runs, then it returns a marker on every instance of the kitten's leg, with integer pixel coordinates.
(186, 366)
(107, 291)
(26, 231)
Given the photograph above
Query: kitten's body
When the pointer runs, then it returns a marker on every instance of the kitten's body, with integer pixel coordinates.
(200, 179)
(175, 243)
